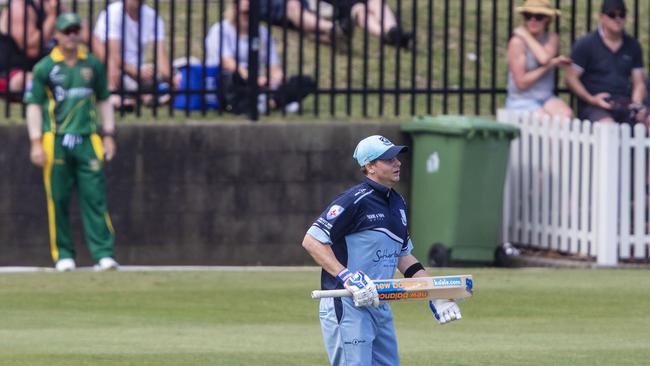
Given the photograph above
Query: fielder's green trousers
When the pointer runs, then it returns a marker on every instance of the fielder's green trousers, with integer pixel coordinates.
(78, 165)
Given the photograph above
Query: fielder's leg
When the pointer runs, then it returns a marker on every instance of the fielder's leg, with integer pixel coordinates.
(98, 228)
(58, 177)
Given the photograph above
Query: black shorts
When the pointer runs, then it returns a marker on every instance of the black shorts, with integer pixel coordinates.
(273, 12)
(620, 112)
(343, 7)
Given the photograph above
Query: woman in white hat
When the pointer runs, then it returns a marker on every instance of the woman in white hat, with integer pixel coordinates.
(532, 60)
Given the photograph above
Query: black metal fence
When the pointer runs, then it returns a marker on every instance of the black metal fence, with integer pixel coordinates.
(454, 64)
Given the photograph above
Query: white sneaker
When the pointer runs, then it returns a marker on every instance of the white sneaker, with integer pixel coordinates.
(65, 265)
(106, 264)
(261, 104)
(293, 107)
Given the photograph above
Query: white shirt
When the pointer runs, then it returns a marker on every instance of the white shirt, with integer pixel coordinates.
(148, 20)
(229, 46)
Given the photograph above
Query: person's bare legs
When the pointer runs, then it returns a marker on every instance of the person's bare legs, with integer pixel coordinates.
(374, 17)
(310, 22)
(17, 81)
(389, 28)
(557, 107)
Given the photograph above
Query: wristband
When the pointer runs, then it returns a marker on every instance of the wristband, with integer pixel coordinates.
(413, 269)
(108, 134)
(344, 275)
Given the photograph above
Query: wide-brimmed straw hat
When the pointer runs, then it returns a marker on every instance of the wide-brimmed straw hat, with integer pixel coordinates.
(538, 7)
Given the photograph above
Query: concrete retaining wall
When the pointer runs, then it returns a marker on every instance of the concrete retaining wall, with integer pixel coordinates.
(231, 193)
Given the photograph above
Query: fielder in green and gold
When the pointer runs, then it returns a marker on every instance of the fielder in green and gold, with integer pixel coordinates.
(69, 89)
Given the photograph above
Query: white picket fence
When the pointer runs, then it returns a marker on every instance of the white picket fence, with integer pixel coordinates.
(578, 187)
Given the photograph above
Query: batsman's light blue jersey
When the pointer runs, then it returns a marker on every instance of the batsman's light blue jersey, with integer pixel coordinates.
(366, 227)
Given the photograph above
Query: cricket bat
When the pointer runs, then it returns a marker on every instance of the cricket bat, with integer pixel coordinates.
(420, 288)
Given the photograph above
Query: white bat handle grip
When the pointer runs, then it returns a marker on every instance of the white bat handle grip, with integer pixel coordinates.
(319, 294)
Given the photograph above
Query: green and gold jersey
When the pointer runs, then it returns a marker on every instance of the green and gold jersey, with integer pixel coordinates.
(68, 93)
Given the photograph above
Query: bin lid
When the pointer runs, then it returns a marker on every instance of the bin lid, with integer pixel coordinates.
(459, 125)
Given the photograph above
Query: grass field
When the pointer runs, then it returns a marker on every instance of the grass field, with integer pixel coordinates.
(517, 317)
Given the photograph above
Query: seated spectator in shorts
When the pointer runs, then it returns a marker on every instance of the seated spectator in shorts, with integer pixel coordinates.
(273, 12)
(25, 43)
(353, 12)
(607, 71)
(227, 46)
(152, 30)
(532, 61)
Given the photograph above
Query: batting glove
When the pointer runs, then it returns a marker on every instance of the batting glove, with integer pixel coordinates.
(444, 310)
(363, 289)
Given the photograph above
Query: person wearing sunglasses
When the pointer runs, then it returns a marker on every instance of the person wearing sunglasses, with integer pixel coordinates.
(607, 70)
(69, 89)
(532, 61)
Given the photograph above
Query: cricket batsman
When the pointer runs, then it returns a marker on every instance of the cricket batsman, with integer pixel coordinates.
(362, 236)
(62, 126)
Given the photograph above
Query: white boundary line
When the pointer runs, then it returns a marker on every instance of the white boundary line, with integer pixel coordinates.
(18, 269)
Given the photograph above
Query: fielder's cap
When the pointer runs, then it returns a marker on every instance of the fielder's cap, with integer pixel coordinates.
(67, 20)
(376, 147)
(613, 5)
(538, 7)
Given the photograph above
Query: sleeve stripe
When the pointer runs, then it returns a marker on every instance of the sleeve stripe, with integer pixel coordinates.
(389, 234)
(360, 197)
(319, 234)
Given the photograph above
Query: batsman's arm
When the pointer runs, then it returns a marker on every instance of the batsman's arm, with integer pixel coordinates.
(405, 262)
(322, 254)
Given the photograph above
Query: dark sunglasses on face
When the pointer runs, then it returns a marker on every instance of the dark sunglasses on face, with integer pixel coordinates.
(71, 30)
(537, 17)
(616, 14)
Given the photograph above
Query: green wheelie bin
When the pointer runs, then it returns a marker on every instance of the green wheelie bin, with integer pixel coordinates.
(459, 165)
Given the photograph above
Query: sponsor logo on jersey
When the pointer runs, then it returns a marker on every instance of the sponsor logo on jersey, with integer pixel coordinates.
(79, 92)
(334, 211)
(55, 76)
(86, 73)
(384, 254)
(322, 222)
(446, 282)
(60, 94)
(375, 217)
(403, 213)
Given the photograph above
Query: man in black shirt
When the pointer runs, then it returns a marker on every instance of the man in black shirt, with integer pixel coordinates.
(607, 71)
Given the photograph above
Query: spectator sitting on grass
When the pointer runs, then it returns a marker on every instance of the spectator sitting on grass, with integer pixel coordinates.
(28, 40)
(532, 60)
(273, 11)
(227, 45)
(381, 20)
(138, 17)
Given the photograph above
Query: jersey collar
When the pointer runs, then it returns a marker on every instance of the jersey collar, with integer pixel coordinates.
(382, 189)
(57, 55)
